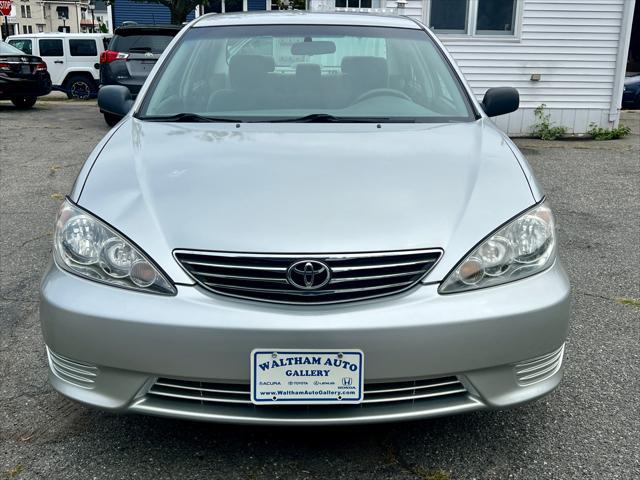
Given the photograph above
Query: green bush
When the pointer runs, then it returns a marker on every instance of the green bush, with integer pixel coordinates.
(543, 128)
(599, 133)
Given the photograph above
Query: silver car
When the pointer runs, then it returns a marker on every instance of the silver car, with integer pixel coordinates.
(305, 219)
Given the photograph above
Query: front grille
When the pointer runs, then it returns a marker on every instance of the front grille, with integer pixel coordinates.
(538, 369)
(206, 393)
(77, 373)
(264, 277)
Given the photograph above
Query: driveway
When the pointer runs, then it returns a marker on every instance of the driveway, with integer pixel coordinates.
(588, 429)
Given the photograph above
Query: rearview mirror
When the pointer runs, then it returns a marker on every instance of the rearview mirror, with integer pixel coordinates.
(313, 48)
(500, 100)
(115, 99)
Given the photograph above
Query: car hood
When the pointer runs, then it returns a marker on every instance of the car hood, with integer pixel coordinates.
(305, 188)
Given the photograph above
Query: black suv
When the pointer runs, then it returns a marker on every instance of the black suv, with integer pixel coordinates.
(131, 54)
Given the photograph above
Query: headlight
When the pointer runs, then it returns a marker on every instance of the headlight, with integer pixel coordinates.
(525, 246)
(87, 247)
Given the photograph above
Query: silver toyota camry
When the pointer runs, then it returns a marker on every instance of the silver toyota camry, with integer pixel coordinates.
(305, 219)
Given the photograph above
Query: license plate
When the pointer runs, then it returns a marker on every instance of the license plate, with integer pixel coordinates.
(306, 376)
(26, 69)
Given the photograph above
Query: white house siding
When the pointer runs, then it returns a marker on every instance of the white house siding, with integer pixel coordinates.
(572, 44)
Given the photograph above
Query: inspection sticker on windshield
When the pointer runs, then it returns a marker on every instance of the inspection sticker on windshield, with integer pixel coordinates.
(306, 376)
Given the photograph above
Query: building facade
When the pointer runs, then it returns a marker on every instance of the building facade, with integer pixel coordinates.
(142, 13)
(38, 16)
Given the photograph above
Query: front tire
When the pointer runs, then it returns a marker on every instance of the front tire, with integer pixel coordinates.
(24, 103)
(111, 119)
(79, 87)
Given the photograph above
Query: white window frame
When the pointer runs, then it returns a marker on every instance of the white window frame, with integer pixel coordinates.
(380, 3)
(472, 19)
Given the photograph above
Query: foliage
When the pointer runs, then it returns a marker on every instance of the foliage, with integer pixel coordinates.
(599, 133)
(544, 128)
(103, 28)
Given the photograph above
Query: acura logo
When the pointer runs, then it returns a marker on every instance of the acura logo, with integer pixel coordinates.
(308, 274)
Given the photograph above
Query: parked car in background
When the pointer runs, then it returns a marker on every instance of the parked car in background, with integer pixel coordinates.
(131, 54)
(23, 77)
(631, 95)
(305, 218)
(72, 58)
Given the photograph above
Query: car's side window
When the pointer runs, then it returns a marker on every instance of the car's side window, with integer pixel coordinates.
(50, 48)
(83, 48)
(22, 44)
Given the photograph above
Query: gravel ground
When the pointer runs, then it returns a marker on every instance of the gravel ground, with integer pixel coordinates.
(588, 429)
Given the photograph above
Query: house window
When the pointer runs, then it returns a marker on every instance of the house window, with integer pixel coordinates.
(24, 29)
(233, 6)
(40, 28)
(63, 12)
(28, 12)
(496, 17)
(224, 6)
(473, 17)
(22, 11)
(357, 3)
(449, 16)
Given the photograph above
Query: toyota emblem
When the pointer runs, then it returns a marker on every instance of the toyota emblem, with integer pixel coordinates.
(308, 274)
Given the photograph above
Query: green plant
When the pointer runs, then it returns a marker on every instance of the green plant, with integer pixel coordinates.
(599, 133)
(544, 128)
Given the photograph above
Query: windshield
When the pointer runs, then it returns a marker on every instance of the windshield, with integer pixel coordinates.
(306, 73)
(154, 43)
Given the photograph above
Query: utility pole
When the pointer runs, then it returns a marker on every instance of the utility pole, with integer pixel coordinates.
(92, 7)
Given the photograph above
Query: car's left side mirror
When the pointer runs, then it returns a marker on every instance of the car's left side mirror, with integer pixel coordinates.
(115, 99)
(500, 100)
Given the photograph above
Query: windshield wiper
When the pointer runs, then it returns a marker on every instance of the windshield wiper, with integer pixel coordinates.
(140, 49)
(327, 118)
(188, 118)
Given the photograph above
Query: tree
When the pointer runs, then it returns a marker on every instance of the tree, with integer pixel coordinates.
(179, 8)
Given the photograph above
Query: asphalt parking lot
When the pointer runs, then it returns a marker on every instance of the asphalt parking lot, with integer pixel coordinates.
(588, 429)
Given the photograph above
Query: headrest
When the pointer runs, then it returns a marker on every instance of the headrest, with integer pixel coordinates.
(308, 71)
(372, 71)
(249, 71)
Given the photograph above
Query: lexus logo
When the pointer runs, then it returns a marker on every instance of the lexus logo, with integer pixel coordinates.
(308, 274)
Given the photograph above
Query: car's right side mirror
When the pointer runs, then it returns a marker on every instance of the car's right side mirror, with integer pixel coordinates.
(115, 99)
(500, 100)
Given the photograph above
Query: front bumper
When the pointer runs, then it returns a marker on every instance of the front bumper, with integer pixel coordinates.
(133, 338)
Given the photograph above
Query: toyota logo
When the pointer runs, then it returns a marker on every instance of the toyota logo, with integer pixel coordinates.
(308, 274)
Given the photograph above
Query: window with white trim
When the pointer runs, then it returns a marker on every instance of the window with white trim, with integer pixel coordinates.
(358, 3)
(473, 17)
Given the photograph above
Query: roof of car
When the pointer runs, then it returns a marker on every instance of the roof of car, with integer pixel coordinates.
(149, 27)
(146, 29)
(297, 17)
(59, 34)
